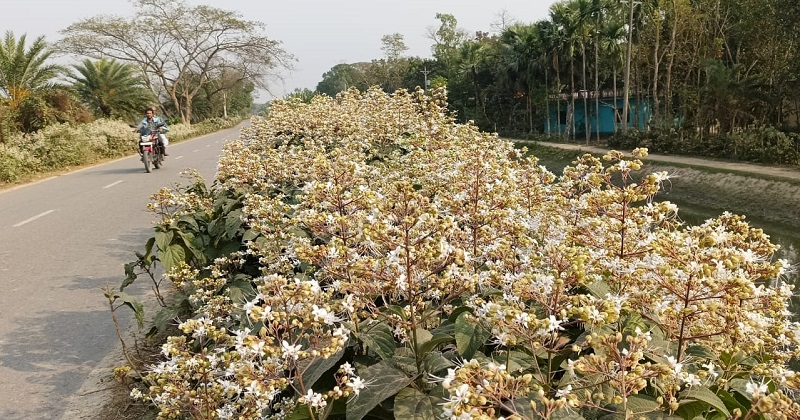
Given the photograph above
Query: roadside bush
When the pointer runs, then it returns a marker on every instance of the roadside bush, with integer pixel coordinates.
(365, 256)
(764, 144)
(59, 146)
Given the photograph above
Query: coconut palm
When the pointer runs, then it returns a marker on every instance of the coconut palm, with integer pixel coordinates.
(111, 88)
(24, 71)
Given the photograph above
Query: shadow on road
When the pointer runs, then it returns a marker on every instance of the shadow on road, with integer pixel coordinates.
(51, 351)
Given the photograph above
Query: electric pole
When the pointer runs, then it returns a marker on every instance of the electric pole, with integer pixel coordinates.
(425, 72)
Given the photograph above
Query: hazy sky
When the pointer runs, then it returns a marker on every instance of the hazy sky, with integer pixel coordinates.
(319, 33)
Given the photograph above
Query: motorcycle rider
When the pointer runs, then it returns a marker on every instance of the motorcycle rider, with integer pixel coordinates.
(149, 124)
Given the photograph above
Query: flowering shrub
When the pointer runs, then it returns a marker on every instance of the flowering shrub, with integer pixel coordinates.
(366, 256)
(59, 146)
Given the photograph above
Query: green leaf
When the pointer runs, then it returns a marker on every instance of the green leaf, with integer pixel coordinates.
(405, 360)
(434, 341)
(642, 404)
(519, 361)
(457, 313)
(690, 409)
(249, 235)
(312, 370)
(599, 289)
(172, 256)
(469, 337)
(435, 363)
(413, 404)
(707, 396)
(163, 239)
(130, 275)
(731, 401)
(190, 241)
(233, 221)
(135, 305)
(378, 337)
(148, 251)
(164, 317)
(383, 381)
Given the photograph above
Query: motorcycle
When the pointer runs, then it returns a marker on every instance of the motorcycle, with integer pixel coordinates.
(151, 149)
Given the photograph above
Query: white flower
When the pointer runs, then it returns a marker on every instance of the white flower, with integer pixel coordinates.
(554, 324)
(322, 314)
(692, 380)
(712, 370)
(357, 384)
(564, 392)
(676, 367)
(347, 369)
(756, 390)
(314, 399)
(290, 351)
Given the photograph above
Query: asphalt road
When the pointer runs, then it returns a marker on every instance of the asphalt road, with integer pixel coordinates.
(61, 241)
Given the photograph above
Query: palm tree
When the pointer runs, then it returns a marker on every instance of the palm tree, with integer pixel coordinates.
(23, 71)
(111, 88)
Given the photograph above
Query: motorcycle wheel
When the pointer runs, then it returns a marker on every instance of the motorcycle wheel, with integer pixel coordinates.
(157, 160)
(146, 156)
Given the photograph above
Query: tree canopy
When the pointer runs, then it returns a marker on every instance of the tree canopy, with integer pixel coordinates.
(180, 47)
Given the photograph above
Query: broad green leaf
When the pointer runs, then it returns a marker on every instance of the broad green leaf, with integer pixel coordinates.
(130, 275)
(383, 381)
(378, 337)
(423, 336)
(707, 396)
(163, 239)
(135, 305)
(434, 341)
(172, 256)
(731, 401)
(469, 337)
(190, 241)
(566, 414)
(189, 220)
(599, 289)
(642, 404)
(434, 362)
(249, 235)
(233, 221)
(312, 370)
(164, 317)
(148, 250)
(519, 361)
(405, 360)
(457, 313)
(412, 404)
(690, 409)
(446, 328)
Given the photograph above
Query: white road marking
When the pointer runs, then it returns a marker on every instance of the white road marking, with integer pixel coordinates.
(208, 145)
(112, 184)
(179, 157)
(196, 150)
(33, 218)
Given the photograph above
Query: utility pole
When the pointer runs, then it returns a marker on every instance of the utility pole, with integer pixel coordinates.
(425, 72)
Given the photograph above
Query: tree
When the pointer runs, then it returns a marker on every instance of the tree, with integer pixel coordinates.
(25, 76)
(110, 88)
(171, 41)
(340, 78)
(393, 46)
(24, 71)
(446, 41)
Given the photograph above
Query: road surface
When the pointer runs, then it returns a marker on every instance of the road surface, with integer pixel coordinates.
(61, 241)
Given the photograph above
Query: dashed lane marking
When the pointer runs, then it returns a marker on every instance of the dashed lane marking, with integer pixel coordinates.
(33, 218)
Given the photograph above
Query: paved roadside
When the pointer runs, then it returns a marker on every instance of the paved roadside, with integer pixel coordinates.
(774, 171)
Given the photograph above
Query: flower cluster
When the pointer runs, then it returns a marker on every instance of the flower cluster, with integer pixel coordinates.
(375, 234)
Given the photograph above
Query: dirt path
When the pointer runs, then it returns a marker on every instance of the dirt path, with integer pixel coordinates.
(772, 171)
